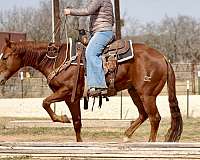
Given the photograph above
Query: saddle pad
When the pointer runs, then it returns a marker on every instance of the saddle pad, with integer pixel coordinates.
(128, 55)
(121, 57)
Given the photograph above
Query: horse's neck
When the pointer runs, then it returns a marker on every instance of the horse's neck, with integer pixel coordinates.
(37, 59)
(33, 59)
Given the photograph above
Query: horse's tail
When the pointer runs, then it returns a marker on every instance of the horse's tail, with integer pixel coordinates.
(174, 133)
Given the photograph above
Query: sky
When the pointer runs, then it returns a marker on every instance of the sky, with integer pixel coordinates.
(155, 10)
(142, 10)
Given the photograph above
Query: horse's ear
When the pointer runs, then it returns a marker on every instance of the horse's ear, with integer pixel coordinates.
(8, 42)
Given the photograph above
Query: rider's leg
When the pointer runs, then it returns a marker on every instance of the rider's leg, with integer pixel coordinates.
(95, 72)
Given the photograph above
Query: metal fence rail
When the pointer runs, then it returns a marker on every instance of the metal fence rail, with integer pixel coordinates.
(36, 85)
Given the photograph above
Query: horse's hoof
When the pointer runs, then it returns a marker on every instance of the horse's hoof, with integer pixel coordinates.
(79, 140)
(65, 119)
(126, 139)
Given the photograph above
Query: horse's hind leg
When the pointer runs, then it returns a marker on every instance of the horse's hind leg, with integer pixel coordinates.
(58, 96)
(153, 114)
(142, 114)
(76, 117)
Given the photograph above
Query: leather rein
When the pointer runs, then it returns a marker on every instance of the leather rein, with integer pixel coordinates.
(65, 63)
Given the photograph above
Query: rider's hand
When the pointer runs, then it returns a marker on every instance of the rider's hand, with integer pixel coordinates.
(67, 11)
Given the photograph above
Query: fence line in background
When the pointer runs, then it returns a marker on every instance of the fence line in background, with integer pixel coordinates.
(35, 85)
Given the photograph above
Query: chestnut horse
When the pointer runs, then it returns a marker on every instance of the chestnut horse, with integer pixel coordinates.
(144, 77)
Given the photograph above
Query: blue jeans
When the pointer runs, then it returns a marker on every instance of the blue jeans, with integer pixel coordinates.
(95, 72)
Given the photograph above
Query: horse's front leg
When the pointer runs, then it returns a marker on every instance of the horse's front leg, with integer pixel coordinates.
(76, 117)
(58, 96)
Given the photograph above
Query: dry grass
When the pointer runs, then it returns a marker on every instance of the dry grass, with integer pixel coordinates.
(191, 132)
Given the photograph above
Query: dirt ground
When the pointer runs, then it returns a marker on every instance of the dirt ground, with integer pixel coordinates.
(32, 107)
(191, 132)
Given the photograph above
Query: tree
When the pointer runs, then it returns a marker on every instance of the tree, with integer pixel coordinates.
(183, 35)
(36, 22)
(178, 38)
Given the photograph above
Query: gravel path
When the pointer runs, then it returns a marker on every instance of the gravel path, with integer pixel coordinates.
(31, 107)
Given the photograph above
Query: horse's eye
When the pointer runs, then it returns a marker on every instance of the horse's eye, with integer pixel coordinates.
(4, 58)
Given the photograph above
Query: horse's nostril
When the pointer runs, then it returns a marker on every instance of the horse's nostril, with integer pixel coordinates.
(2, 81)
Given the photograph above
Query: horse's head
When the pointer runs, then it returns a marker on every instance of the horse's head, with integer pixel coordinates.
(10, 61)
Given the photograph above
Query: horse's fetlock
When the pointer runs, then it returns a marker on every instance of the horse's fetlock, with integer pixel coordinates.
(55, 118)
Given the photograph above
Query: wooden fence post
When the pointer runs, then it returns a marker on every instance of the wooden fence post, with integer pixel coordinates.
(193, 78)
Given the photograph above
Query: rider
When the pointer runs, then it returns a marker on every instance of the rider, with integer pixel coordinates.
(101, 29)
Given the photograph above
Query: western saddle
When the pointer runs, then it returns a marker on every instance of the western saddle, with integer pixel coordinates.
(110, 57)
